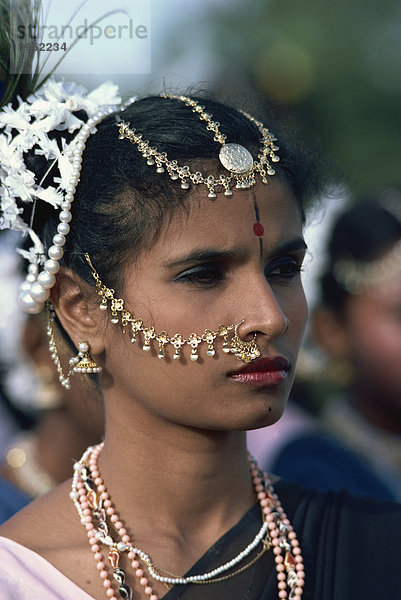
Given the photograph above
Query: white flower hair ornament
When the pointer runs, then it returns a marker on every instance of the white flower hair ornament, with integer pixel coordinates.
(26, 128)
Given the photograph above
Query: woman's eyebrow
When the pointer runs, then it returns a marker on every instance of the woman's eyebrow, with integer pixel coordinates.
(237, 253)
(204, 254)
(297, 243)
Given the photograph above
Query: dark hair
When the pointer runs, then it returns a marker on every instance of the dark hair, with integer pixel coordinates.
(364, 232)
(121, 202)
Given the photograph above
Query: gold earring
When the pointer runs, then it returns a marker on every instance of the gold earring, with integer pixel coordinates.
(83, 362)
(245, 351)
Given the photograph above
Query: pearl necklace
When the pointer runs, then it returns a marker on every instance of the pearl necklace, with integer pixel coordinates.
(93, 503)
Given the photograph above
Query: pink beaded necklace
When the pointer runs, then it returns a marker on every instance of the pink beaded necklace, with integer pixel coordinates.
(95, 508)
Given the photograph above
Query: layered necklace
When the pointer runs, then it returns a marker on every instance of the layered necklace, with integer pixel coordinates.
(108, 536)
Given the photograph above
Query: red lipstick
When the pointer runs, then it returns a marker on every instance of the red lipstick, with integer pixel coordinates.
(264, 371)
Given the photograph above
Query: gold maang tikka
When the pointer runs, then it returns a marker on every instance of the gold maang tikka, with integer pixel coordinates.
(245, 351)
(236, 159)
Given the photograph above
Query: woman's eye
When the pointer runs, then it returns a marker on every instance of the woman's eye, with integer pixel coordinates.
(207, 274)
(285, 269)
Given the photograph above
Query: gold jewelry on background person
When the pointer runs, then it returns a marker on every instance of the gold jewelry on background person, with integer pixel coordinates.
(359, 277)
(24, 469)
(245, 351)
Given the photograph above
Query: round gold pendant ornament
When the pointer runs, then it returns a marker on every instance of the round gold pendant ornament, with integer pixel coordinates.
(236, 159)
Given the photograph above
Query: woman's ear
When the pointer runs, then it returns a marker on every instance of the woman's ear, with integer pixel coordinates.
(72, 300)
(329, 332)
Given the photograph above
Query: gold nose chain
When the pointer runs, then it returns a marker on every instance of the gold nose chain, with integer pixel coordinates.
(245, 351)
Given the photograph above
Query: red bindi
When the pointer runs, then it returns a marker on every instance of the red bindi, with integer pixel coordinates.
(258, 229)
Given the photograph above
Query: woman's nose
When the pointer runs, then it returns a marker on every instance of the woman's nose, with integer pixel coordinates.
(262, 313)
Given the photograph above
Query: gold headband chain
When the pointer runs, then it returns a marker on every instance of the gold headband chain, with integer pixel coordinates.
(245, 351)
(234, 157)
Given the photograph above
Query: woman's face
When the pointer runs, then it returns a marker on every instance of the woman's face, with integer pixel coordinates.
(230, 259)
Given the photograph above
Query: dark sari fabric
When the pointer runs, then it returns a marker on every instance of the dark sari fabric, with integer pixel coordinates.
(351, 549)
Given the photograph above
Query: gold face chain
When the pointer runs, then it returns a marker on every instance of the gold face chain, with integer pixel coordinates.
(245, 351)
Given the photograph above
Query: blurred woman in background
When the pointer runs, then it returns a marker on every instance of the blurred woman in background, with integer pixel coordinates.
(355, 442)
(56, 425)
(359, 326)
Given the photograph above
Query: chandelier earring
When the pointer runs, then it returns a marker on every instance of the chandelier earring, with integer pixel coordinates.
(82, 363)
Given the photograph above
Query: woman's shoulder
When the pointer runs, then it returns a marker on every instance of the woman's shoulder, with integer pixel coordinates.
(43, 547)
(34, 526)
(25, 574)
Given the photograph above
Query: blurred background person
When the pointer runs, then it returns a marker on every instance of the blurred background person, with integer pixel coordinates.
(355, 441)
(56, 425)
(359, 326)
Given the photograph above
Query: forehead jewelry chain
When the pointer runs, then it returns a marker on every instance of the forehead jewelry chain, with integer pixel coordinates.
(238, 161)
(359, 277)
(105, 529)
(245, 351)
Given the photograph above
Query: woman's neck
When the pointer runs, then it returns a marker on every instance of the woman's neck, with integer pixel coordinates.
(182, 481)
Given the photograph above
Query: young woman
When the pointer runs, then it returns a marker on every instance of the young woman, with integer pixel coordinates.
(191, 243)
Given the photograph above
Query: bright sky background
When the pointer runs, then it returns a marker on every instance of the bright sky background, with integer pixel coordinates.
(175, 53)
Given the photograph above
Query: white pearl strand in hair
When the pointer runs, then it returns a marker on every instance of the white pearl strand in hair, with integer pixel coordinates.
(91, 499)
(35, 290)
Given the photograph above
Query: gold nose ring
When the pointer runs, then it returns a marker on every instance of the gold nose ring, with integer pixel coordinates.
(245, 351)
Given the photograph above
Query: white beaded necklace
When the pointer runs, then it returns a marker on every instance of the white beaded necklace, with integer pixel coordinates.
(210, 574)
(93, 502)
